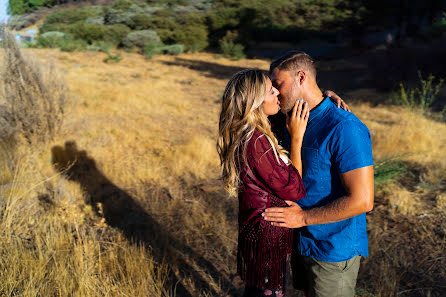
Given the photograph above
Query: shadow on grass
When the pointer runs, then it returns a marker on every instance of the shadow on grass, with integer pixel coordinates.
(208, 69)
(125, 213)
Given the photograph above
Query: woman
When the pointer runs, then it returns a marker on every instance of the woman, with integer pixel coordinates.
(256, 168)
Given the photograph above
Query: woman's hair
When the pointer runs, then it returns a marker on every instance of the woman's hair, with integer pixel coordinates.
(241, 114)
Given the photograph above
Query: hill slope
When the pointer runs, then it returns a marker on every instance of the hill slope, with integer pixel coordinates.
(144, 213)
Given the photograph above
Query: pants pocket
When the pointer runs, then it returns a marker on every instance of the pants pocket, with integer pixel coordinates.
(347, 265)
(342, 266)
(329, 266)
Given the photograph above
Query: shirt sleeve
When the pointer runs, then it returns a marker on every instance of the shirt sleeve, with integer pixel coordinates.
(351, 147)
(283, 180)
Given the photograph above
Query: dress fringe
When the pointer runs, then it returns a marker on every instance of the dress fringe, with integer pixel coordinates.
(263, 252)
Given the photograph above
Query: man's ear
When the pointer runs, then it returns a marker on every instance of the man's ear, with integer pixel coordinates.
(301, 76)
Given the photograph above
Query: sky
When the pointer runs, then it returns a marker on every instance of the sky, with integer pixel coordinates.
(3, 8)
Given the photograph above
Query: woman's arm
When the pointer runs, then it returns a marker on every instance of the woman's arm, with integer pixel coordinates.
(272, 172)
(336, 99)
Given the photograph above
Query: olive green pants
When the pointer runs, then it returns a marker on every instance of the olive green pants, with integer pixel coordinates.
(325, 279)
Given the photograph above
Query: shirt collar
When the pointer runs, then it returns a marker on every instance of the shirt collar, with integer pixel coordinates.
(318, 111)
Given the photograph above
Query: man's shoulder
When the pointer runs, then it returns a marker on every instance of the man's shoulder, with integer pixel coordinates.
(339, 115)
(350, 142)
(340, 119)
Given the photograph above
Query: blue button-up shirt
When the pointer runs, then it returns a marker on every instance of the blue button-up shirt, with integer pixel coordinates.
(335, 142)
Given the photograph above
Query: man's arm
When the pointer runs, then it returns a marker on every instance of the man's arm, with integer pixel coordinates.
(359, 185)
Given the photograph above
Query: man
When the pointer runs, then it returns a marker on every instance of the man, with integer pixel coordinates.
(338, 177)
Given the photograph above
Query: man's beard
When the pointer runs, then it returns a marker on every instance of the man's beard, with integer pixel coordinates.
(287, 108)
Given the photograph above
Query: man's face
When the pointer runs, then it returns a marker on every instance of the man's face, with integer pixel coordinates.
(285, 82)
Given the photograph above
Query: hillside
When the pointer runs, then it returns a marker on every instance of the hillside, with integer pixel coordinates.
(141, 210)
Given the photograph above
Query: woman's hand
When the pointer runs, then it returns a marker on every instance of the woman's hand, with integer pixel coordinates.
(297, 122)
(296, 125)
(335, 98)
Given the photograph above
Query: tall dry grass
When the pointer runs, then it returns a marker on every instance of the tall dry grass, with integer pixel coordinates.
(49, 249)
(35, 97)
(407, 229)
(142, 210)
(52, 243)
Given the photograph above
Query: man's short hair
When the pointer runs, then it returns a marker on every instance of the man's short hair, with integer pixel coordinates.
(294, 61)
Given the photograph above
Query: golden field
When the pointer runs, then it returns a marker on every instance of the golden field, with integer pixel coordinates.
(141, 210)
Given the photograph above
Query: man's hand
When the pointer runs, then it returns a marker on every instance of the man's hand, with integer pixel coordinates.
(289, 217)
(359, 185)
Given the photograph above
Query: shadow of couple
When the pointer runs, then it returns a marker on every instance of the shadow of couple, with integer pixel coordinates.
(125, 213)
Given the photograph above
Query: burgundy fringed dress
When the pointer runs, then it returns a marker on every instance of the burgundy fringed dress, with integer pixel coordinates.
(263, 250)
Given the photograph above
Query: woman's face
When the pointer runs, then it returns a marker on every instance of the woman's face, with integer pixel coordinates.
(271, 102)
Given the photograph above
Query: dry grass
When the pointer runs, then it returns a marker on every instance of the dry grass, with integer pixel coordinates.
(402, 201)
(36, 97)
(53, 245)
(398, 132)
(142, 212)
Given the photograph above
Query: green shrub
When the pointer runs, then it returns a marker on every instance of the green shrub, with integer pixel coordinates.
(419, 98)
(17, 7)
(113, 17)
(141, 38)
(230, 48)
(439, 27)
(136, 9)
(165, 13)
(51, 40)
(66, 28)
(73, 45)
(122, 4)
(91, 33)
(192, 32)
(194, 38)
(26, 44)
(70, 16)
(224, 17)
(53, 34)
(88, 32)
(66, 20)
(173, 49)
(163, 23)
(65, 42)
(389, 170)
(189, 30)
(116, 33)
(141, 22)
(47, 42)
(152, 49)
(97, 20)
(101, 46)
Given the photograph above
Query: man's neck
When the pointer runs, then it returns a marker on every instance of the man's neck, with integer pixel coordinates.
(314, 97)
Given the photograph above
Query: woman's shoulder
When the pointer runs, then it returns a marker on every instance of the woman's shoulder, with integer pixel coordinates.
(257, 137)
(258, 143)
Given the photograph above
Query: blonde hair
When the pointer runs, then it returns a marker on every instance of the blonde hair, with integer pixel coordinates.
(241, 114)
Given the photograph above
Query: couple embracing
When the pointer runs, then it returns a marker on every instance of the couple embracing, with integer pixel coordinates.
(303, 185)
